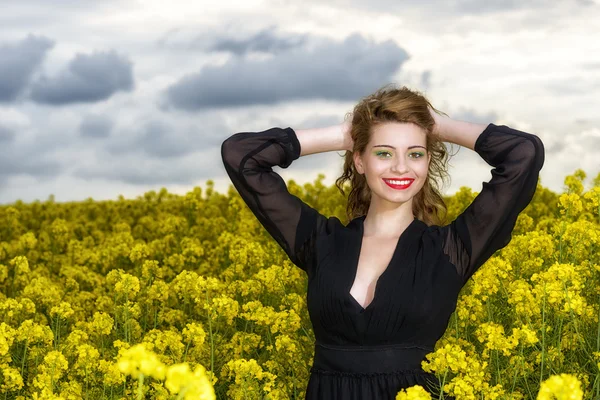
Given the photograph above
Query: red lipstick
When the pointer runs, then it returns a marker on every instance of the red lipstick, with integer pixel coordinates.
(400, 187)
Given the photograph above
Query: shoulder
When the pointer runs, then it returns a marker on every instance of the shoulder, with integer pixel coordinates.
(435, 234)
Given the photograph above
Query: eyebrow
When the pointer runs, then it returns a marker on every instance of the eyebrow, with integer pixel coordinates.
(392, 147)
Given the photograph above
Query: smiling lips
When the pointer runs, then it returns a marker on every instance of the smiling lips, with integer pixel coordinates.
(398, 183)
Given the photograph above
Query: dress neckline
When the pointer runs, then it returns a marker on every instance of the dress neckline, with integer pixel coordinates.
(402, 238)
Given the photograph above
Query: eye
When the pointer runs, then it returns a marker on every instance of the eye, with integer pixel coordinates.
(382, 152)
(418, 154)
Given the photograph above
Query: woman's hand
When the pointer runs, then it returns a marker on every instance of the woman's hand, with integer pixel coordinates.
(346, 127)
(439, 121)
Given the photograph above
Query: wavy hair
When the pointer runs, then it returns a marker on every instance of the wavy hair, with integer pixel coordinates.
(393, 104)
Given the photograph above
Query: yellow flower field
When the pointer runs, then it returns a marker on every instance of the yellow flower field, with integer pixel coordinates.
(188, 297)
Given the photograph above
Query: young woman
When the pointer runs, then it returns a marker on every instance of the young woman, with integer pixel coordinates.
(382, 288)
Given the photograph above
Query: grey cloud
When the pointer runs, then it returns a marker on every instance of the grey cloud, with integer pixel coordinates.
(267, 41)
(161, 139)
(95, 126)
(141, 172)
(591, 66)
(319, 121)
(138, 169)
(331, 70)
(574, 141)
(591, 139)
(574, 86)
(555, 148)
(20, 160)
(88, 78)
(6, 135)
(426, 79)
(160, 151)
(18, 62)
(472, 115)
(456, 7)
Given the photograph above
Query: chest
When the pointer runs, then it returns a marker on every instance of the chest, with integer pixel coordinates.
(374, 259)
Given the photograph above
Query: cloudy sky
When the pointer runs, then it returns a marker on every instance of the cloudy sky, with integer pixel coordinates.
(102, 98)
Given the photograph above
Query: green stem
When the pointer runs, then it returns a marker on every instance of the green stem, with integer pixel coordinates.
(186, 350)
(543, 334)
(127, 335)
(57, 332)
(512, 389)
(497, 367)
(441, 395)
(24, 356)
(140, 388)
(212, 344)
(456, 323)
(598, 344)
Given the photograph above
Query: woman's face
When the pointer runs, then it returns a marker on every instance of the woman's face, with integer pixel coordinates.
(396, 151)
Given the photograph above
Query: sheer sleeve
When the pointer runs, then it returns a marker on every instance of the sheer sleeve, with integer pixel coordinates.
(248, 158)
(487, 224)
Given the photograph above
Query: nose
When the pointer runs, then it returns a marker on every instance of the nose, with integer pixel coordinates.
(401, 166)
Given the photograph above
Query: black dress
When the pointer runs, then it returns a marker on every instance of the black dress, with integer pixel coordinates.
(373, 352)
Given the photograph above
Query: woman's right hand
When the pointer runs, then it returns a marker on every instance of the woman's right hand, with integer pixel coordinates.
(439, 122)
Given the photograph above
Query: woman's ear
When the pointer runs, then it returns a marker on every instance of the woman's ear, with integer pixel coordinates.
(358, 162)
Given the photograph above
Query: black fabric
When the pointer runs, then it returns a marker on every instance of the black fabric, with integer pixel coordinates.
(417, 293)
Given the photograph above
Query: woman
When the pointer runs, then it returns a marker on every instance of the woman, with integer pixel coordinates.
(382, 288)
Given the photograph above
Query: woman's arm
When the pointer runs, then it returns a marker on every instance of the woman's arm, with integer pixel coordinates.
(249, 158)
(458, 132)
(321, 140)
(487, 224)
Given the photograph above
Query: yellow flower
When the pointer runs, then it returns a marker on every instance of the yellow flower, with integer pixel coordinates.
(525, 335)
(166, 343)
(570, 204)
(87, 359)
(248, 377)
(416, 392)
(55, 363)
(592, 198)
(450, 357)
(28, 241)
(50, 371)
(574, 183)
(139, 252)
(137, 360)
(526, 305)
(21, 265)
(194, 333)
(242, 344)
(7, 337)
(125, 284)
(581, 238)
(560, 387)
(76, 337)
(101, 324)
(159, 291)
(193, 385)
(3, 272)
(32, 332)
(12, 379)
(111, 374)
(222, 306)
(63, 310)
